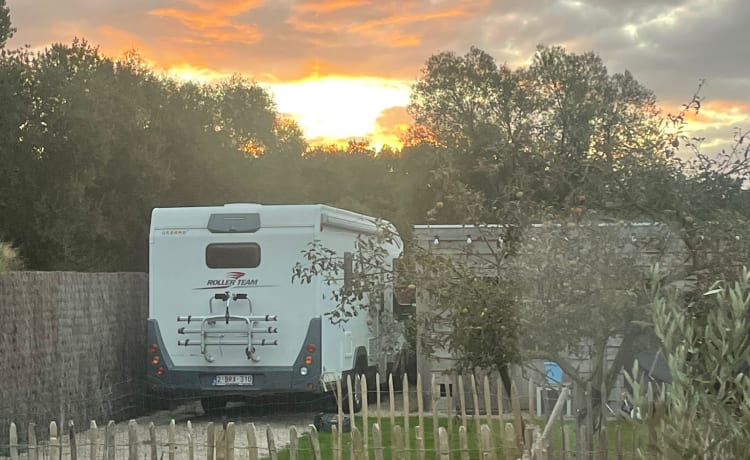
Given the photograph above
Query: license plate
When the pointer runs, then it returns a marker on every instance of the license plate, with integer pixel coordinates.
(222, 380)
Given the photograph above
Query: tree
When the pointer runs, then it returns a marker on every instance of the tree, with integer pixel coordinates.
(705, 413)
(6, 29)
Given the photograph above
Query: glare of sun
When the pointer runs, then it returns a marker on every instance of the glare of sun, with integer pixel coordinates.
(187, 72)
(339, 107)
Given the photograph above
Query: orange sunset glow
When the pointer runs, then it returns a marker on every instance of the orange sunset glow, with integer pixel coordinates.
(343, 68)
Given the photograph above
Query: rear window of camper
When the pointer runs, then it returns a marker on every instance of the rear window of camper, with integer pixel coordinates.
(232, 255)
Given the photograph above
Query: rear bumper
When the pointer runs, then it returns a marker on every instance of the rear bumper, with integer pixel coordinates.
(197, 381)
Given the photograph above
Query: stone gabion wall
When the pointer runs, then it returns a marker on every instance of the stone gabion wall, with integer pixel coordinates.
(72, 347)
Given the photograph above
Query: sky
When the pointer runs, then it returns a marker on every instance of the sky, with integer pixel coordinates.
(343, 68)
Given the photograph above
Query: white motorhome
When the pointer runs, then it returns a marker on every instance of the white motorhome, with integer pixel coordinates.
(226, 319)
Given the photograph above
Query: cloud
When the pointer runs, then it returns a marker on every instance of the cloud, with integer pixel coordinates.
(215, 20)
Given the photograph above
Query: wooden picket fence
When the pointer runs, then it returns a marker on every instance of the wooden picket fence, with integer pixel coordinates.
(496, 436)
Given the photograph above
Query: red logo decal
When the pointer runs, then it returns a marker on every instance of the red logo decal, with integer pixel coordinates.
(235, 275)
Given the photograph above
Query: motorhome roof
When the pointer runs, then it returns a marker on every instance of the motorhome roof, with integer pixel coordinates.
(297, 215)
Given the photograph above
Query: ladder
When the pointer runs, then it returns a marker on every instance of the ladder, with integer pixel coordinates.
(250, 327)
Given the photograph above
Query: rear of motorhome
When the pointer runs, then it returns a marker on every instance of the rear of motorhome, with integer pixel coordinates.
(227, 321)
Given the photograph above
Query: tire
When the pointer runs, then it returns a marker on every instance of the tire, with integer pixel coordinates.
(211, 405)
(356, 394)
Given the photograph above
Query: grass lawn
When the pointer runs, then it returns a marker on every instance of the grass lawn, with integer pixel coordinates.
(630, 438)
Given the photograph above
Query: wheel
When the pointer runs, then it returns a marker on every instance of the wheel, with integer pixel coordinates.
(396, 371)
(213, 404)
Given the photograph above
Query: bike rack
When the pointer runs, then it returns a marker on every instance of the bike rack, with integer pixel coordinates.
(242, 336)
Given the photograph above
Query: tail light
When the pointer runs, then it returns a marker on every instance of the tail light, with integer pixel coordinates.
(308, 360)
(311, 348)
(153, 348)
(159, 371)
(155, 360)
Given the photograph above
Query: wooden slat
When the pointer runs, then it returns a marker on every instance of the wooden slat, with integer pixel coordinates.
(152, 441)
(252, 442)
(13, 433)
(377, 440)
(72, 440)
(405, 410)
(509, 441)
(443, 445)
(463, 441)
(340, 419)
(397, 442)
(229, 436)
(356, 450)
(500, 408)
(336, 446)
(377, 397)
(109, 441)
(190, 441)
(487, 400)
(293, 443)
(475, 401)
(350, 398)
(421, 453)
(365, 421)
(210, 440)
(93, 441)
(420, 402)
(33, 452)
(434, 396)
(517, 420)
(315, 442)
(132, 440)
(171, 437)
(54, 442)
(462, 399)
(391, 401)
(272, 454)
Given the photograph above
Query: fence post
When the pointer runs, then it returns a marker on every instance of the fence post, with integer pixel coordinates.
(315, 442)
(132, 440)
(420, 442)
(271, 443)
(405, 395)
(33, 453)
(13, 441)
(152, 439)
(464, 442)
(500, 397)
(110, 440)
(93, 440)
(442, 443)
(377, 439)
(210, 440)
(54, 442)
(293, 443)
(252, 442)
(603, 453)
